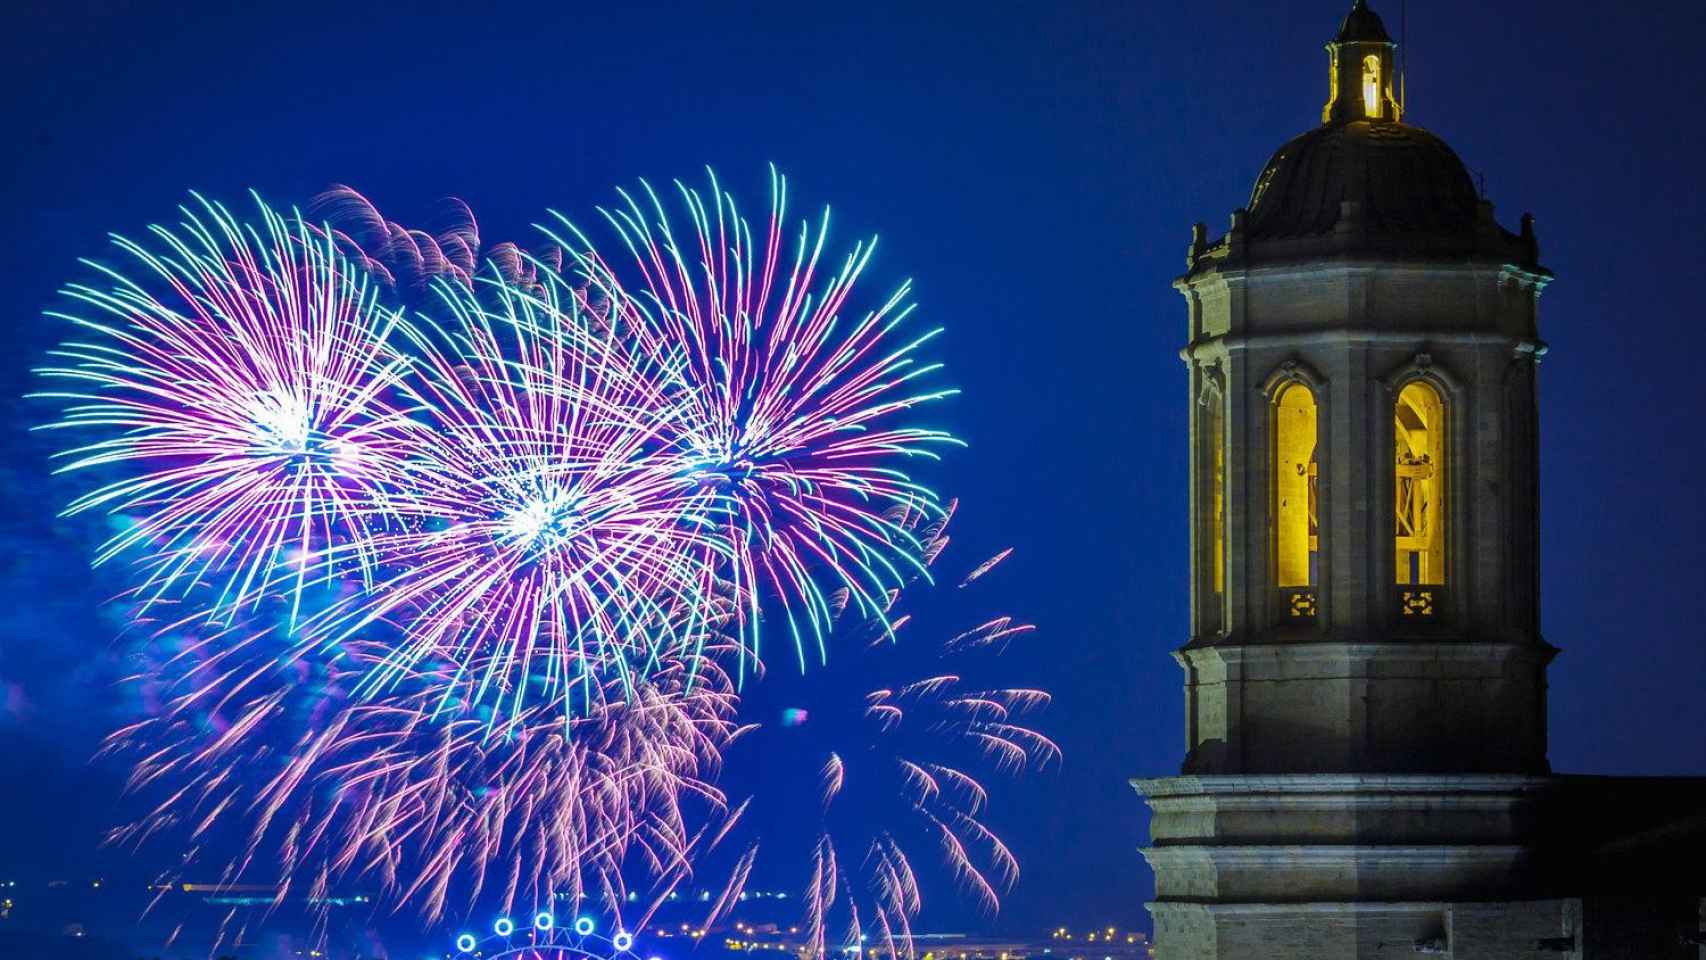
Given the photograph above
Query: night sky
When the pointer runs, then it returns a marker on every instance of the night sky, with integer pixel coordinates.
(1036, 168)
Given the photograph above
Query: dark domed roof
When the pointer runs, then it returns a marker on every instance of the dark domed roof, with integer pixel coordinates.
(1363, 25)
(1403, 179)
(1363, 186)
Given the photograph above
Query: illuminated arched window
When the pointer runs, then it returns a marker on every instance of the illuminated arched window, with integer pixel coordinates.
(1418, 439)
(1296, 526)
(1371, 86)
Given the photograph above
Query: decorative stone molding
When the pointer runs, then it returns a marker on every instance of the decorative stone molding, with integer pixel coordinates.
(1422, 367)
(1289, 371)
(1529, 350)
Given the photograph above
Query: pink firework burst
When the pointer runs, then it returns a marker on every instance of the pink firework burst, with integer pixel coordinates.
(550, 537)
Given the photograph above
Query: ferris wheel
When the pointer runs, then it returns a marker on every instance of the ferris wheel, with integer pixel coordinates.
(545, 939)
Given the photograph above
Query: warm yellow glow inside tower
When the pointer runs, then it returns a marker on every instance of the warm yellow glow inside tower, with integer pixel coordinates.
(1418, 436)
(1296, 535)
(1371, 86)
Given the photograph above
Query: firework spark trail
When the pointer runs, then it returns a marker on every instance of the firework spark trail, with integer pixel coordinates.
(438, 809)
(242, 383)
(912, 778)
(788, 402)
(400, 256)
(944, 793)
(548, 532)
(986, 566)
(407, 259)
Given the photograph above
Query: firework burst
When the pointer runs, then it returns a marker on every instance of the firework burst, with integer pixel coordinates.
(550, 538)
(240, 386)
(788, 398)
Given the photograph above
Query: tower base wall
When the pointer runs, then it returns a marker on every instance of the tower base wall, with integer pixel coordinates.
(1412, 707)
(1520, 930)
(1469, 867)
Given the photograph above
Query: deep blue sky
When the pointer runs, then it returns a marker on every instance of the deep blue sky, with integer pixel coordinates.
(1036, 168)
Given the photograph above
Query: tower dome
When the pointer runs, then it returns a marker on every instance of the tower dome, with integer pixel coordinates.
(1396, 177)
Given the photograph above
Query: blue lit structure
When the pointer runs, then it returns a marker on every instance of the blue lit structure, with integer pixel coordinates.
(546, 940)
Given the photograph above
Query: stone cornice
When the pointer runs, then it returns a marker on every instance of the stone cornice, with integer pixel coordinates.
(1205, 349)
(1389, 653)
(1284, 857)
(1316, 267)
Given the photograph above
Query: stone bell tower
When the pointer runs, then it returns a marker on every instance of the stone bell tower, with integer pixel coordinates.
(1361, 349)
(1365, 679)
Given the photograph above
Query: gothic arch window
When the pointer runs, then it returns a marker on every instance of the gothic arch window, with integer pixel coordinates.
(1296, 539)
(1419, 483)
